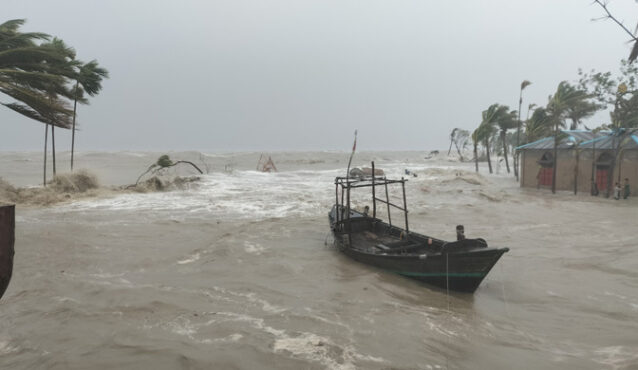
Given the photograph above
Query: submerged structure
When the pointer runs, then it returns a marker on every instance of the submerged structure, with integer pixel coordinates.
(585, 161)
(458, 265)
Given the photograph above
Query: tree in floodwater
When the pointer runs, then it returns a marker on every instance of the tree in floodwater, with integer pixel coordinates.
(35, 71)
(524, 84)
(30, 74)
(88, 80)
(558, 108)
(459, 138)
(482, 135)
(493, 118)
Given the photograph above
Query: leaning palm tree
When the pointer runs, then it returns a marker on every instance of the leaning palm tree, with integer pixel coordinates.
(580, 110)
(34, 71)
(89, 79)
(64, 66)
(505, 122)
(482, 135)
(497, 116)
(538, 125)
(524, 84)
(564, 99)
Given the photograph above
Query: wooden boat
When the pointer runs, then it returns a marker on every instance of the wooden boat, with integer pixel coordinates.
(458, 265)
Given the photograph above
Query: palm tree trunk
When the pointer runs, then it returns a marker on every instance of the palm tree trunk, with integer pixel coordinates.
(53, 147)
(75, 104)
(487, 150)
(507, 165)
(476, 156)
(593, 191)
(576, 172)
(555, 159)
(46, 138)
(612, 167)
(518, 135)
(449, 150)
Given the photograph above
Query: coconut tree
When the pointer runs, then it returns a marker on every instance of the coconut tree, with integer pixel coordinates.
(34, 75)
(538, 125)
(65, 67)
(580, 110)
(496, 116)
(524, 84)
(482, 135)
(558, 108)
(505, 122)
(88, 80)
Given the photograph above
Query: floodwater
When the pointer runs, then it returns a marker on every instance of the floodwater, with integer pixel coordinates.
(238, 271)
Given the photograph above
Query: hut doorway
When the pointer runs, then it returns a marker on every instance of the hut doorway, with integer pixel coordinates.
(603, 166)
(546, 172)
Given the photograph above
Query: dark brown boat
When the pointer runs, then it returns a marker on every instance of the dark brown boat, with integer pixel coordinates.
(459, 265)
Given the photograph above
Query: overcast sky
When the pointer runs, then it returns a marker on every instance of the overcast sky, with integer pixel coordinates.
(241, 75)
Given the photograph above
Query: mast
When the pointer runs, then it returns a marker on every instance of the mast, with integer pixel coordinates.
(405, 206)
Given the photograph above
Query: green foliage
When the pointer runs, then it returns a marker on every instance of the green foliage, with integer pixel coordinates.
(164, 161)
(617, 93)
(38, 72)
(538, 126)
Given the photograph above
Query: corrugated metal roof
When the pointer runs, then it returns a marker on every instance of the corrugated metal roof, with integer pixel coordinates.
(572, 138)
(610, 142)
(583, 139)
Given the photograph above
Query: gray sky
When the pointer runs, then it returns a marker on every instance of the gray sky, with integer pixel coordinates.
(302, 75)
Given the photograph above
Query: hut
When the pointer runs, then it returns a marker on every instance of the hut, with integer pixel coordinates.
(586, 161)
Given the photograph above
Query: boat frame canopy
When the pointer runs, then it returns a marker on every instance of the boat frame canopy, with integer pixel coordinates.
(343, 186)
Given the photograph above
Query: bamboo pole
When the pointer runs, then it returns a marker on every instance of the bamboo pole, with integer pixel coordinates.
(387, 197)
(405, 206)
(374, 201)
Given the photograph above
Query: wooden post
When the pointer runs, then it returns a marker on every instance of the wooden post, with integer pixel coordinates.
(374, 196)
(337, 200)
(342, 202)
(7, 240)
(405, 206)
(387, 198)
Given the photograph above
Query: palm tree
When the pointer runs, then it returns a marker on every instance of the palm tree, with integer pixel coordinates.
(564, 99)
(496, 116)
(33, 75)
(62, 66)
(524, 84)
(504, 123)
(580, 110)
(89, 79)
(482, 135)
(538, 126)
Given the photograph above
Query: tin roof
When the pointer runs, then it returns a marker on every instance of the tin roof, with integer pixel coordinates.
(571, 139)
(611, 141)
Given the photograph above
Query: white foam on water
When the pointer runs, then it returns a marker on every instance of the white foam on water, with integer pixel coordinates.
(304, 345)
(6, 348)
(616, 357)
(190, 259)
(253, 248)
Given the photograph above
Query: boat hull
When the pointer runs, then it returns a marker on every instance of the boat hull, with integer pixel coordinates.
(462, 272)
(458, 265)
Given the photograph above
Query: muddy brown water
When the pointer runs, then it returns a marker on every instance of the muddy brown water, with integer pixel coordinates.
(234, 273)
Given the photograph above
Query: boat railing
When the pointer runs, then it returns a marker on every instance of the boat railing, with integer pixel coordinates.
(343, 186)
